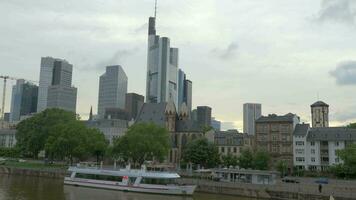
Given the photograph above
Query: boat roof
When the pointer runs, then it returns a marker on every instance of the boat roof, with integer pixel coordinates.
(125, 172)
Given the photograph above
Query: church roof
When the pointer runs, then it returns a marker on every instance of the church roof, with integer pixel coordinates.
(319, 103)
(153, 112)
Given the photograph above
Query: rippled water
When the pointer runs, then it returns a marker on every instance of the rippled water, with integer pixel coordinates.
(13, 187)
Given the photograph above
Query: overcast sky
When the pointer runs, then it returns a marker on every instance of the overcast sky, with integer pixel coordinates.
(281, 53)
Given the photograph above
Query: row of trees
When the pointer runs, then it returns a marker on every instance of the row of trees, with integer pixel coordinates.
(61, 135)
(207, 155)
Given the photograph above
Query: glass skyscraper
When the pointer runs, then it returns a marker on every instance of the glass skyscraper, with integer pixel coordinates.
(24, 100)
(55, 88)
(112, 89)
(162, 68)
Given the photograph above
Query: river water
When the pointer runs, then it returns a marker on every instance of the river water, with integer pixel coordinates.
(14, 187)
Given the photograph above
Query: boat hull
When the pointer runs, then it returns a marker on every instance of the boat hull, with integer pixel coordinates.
(143, 188)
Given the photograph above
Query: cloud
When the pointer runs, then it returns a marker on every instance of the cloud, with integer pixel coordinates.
(343, 11)
(141, 28)
(228, 52)
(116, 59)
(346, 115)
(345, 73)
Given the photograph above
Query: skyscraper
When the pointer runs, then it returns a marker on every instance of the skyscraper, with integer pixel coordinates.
(24, 100)
(204, 116)
(112, 89)
(184, 90)
(134, 104)
(251, 112)
(55, 88)
(162, 68)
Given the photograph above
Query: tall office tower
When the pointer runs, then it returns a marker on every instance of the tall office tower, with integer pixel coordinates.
(251, 112)
(24, 100)
(320, 114)
(204, 115)
(184, 90)
(134, 104)
(162, 68)
(112, 89)
(55, 90)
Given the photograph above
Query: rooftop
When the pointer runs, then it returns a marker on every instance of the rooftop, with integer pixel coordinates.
(319, 103)
(277, 118)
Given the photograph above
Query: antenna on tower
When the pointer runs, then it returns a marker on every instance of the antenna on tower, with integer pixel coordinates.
(155, 8)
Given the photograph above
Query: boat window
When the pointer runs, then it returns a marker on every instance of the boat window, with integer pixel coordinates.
(156, 181)
(99, 177)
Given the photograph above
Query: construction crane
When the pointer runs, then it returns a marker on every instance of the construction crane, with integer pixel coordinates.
(2, 117)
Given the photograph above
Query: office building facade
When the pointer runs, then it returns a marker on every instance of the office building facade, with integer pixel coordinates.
(251, 112)
(162, 68)
(56, 82)
(204, 116)
(134, 104)
(112, 89)
(24, 100)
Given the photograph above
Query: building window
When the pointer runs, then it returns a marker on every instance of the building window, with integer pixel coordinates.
(312, 143)
(299, 143)
(235, 149)
(312, 151)
(275, 148)
(312, 159)
(222, 150)
(299, 151)
(337, 144)
(299, 159)
(228, 150)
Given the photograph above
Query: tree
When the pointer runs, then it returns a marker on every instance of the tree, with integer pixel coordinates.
(246, 159)
(229, 160)
(282, 167)
(352, 125)
(33, 132)
(74, 140)
(261, 160)
(201, 151)
(348, 156)
(143, 141)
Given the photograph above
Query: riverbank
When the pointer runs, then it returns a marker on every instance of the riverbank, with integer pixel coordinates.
(279, 191)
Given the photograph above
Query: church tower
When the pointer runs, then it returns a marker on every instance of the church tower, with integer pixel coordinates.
(320, 114)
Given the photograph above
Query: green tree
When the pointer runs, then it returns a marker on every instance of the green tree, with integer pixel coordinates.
(246, 159)
(352, 125)
(97, 143)
(33, 132)
(229, 160)
(261, 160)
(143, 141)
(282, 167)
(201, 151)
(348, 156)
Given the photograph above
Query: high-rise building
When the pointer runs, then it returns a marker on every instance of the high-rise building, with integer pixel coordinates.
(184, 90)
(204, 115)
(320, 114)
(62, 97)
(112, 89)
(134, 104)
(55, 88)
(24, 100)
(162, 68)
(251, 112)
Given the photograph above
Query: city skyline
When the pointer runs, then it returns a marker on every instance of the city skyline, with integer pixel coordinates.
(307, 54)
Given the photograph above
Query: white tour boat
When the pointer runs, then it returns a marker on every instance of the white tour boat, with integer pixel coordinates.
(128, 180)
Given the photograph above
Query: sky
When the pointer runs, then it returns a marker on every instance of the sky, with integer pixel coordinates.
(284, 54)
